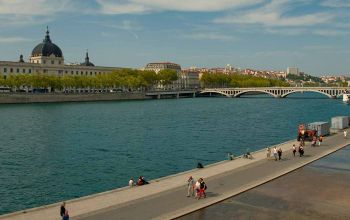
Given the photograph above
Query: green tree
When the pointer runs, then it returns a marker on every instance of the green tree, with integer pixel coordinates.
(167, 76)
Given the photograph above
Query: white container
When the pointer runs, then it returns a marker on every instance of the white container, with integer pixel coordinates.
(322, 128)
(340, 122)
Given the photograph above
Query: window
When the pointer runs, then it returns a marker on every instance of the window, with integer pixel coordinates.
(76, 72)
(72, 72)
(66, 71)
(17, 70)
(45, 70)
(59, 62)
(90, 73)
(5, 70)
(24, 71)
(44, 61)
(52, 62)
(30, 71)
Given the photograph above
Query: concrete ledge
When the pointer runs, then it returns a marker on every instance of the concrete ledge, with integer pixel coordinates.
(249, 186)
(18, 98)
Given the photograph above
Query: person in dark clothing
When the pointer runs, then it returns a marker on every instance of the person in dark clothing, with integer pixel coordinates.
(144, 180)
(199, 165)
(301, 151)
(202, 189)
(279, 152)
(294, 150)
(63, 209)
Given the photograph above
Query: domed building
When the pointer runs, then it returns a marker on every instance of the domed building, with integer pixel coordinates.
(47, 52)
(47, 58)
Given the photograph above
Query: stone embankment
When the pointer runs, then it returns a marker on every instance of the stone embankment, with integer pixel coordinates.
(165, 198)
(19, 98)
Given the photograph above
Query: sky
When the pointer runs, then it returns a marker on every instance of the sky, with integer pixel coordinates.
(312, 35)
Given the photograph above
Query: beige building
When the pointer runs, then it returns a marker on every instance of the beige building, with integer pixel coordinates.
(48, 58)
(157, 67)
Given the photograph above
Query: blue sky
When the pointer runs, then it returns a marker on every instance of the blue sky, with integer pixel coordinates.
(262, 34)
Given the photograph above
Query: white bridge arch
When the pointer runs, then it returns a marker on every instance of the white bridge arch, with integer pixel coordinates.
(278, 92)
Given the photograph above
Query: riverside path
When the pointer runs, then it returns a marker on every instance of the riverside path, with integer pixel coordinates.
(165, 198)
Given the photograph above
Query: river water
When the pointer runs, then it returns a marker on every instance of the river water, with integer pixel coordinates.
(55, 152)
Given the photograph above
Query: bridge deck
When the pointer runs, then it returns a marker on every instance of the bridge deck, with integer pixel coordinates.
(166, 198)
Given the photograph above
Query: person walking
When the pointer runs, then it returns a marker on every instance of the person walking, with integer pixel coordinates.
(66, 215)
(197, 186)
(294, 150)
(275, 153)
(345, 133)
(268, 153)
(301, 151)
(314, 139)
(190, 186)
(279, 153)
(320, 139)
(63, 210)
(202, 189)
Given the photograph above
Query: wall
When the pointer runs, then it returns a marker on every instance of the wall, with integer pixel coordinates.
(47, 98)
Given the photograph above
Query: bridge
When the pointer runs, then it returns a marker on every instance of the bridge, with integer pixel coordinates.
(277, 92)
(172, 93)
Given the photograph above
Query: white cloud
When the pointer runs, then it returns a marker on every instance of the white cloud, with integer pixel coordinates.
(273, 15)
(209, 36)
(336, 3)
(144, 6)
(25, 12)
(330, 32)
(8, 40)
(33, 7)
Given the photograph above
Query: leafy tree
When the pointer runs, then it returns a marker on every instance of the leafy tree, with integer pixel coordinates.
(167, 76)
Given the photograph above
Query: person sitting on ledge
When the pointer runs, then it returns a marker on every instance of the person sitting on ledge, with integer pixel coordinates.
(199, 165)
(230, 156)
(144, 182)
(139, 181)
(248, 155)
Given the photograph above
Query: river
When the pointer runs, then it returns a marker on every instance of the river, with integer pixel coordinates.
(55, 152)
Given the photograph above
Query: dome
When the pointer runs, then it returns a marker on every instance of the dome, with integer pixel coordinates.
(47, 48)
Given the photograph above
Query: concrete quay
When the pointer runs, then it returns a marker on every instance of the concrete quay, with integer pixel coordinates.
(24, 98)
(165, 198)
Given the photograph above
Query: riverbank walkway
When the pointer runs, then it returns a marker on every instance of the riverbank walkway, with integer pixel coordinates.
(165, 198)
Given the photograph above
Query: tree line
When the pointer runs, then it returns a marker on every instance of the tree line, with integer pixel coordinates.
(212, 80)
(129, 79)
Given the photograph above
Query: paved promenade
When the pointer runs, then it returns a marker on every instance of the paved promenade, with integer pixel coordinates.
(165, 198)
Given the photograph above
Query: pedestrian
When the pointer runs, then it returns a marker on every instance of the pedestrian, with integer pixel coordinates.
(131, 182)
(66, 215)
(268, 153)
(63, 209)
(345, 133)
(314, 139)
(190, 186)
(275, 153)
(279, 153)
(202, 189)
(197, 187)
(294, 150)
(301, 151)
(320, 139)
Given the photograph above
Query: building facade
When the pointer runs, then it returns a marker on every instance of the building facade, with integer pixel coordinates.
(47, 58)
(293, 70)
(157, 67)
